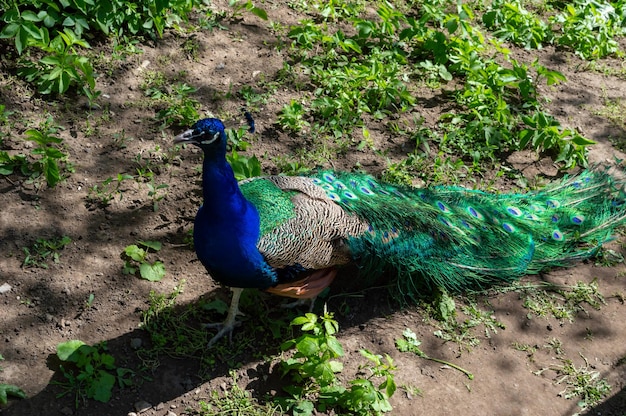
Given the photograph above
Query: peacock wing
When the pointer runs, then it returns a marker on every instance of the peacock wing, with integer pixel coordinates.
(300, 225)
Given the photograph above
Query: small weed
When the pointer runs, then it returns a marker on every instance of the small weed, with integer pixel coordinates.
(580, 382)
(120, 140)
(7, 390)
(449, 328)
(49, 160)
(528, 349)
(235, 401)
(191, 47)
(239, 6)
(154, 192)
(135, 261)
(39, 253)
(89, 301)
(89, 372)
(291, 117)
(410, 343)
(562, 302)
(555, 345)
(102, 195)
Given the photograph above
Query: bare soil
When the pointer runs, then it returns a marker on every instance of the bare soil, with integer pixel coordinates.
(47, 306)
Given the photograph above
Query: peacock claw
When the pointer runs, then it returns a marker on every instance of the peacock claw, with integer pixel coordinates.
(230, 323)
(224, 329)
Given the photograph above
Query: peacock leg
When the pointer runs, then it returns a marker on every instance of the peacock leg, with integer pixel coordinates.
(230, 322)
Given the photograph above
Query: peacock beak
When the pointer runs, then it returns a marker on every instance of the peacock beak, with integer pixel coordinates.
(188, 136)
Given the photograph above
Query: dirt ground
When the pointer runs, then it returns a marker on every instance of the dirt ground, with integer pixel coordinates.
(45, 307)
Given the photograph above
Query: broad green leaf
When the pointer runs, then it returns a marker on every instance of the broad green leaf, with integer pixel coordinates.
(308, 345)
(152, 272)
(7, 390)
(135, 253)
(335, 346)
(258, 12)
(52, 173)
(154, 245)
(30, 16)
(102, 386)
(66, 349)
(9, 31)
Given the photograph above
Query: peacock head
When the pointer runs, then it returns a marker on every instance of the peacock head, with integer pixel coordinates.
(208, 134)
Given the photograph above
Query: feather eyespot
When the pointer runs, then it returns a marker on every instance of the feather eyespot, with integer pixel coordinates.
(365, 190)
(577, 219)
(329, 177)
(508, 227)
(442, 207)
(555, 218)
(557, 235)
(472, 211)
(553, 203)
(339, 185)
(514, 211)
(350, 195)
(334, 196)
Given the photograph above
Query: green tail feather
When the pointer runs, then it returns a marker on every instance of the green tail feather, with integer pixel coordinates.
(456, 238)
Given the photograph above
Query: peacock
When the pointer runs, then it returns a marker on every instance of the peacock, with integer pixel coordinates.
(288, 235)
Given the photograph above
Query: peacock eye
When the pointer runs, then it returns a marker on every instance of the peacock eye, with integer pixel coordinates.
(213, 138)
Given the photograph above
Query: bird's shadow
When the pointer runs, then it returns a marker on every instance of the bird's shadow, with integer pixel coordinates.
(161, 374)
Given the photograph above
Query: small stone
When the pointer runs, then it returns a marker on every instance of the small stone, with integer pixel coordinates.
(135, 343)
(67, 411)
(132, 414)
(160, 406)
(5, 288)
(142, 406)
(170, 413)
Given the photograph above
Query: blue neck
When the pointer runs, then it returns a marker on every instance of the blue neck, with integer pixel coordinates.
(227, 228)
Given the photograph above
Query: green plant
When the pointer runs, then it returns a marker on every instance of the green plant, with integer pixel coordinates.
(135, 261)
(238, 6)
(579, 382)
(105, 192)
(410, 343)
(291, 117)
(313, 367)
(154, 192)
(562, 302)
(590, 27)
(235, 401)
(89, 372)
(49, 159)
(510, 21)
(42, 250)
(7, 390)
(30, 23)
(180, 109)
(62, 67)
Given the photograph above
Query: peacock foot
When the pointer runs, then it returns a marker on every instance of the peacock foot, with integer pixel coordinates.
(230, 323)
(224, 328)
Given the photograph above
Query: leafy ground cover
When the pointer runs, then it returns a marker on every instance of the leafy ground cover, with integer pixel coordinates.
(102, 299)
